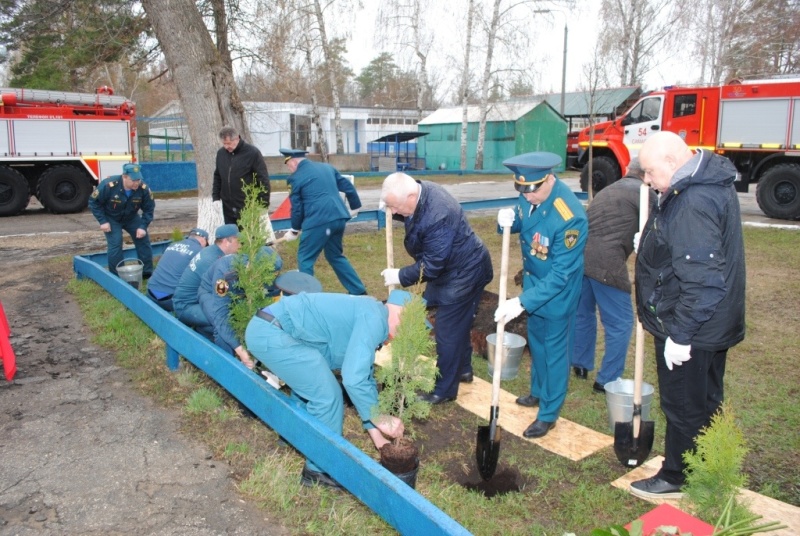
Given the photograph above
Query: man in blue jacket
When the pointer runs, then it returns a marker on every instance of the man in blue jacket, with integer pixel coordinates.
(116, 203)
(304, 338)
(454, 263)
(690, 292)
(552, 227)
(170, 267)
(319, 212)
(185, 300)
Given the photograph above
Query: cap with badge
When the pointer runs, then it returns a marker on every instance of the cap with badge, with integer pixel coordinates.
(226, 231)
(288, 154)
(531, 169)
(199, 232)
(133, 171)
(295, 282)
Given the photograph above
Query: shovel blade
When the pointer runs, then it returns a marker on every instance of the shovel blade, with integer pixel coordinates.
(487, 451)
(633, 451)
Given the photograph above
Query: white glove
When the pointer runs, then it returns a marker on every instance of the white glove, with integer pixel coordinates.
(676, 354)
(508, 310)
(391, 276)
(217, 206)
(381, 205)
(354, 213)
(505, 217)
(636, 238)
(290, 235)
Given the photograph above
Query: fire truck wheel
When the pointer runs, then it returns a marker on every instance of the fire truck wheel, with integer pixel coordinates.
(14, 194)
(604, 172)
(64, 189)
(778, 192)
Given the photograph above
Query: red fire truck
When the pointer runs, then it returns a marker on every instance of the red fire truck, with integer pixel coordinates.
(756, 124)
(57, 146)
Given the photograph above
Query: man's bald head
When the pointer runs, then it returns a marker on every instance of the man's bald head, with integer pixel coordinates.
(660, 157)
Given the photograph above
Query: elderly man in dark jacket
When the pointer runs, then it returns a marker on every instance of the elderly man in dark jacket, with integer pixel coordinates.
(613, 221)
(238, 163)
(453, 261)
(690, 292)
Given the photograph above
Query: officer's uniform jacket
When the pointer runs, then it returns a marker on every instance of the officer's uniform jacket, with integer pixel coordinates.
(552, 238)
(186, 291)
(109, 202)
(314, 195)
(173, 262)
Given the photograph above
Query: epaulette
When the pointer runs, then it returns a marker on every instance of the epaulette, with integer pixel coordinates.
(144, 186)
(563, 209)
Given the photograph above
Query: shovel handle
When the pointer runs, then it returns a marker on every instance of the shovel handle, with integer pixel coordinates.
(389, 243)
(501, 326)
(638, 364)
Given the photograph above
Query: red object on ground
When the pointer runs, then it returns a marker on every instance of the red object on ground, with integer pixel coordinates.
(284, 211)
(6, 351)
(668, 515)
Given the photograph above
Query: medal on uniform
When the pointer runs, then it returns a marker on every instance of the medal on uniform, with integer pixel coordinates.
(540, 245)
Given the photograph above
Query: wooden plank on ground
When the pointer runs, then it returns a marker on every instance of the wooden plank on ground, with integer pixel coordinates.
(567, 439)
(770, 509)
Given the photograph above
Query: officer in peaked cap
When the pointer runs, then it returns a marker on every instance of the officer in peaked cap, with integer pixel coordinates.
(319, 212)
(553, 227)
(116, 203)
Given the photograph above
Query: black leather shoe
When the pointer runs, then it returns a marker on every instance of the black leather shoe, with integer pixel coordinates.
(538, 428)
(598, 388)
(529, 401)
(466, 377)
(309, 478)
(656, 488)
(581, 372)
(435, 399)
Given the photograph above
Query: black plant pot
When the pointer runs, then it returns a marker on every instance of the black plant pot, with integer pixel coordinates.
(410, 477)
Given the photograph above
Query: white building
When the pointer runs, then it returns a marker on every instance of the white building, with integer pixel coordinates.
(284, 124)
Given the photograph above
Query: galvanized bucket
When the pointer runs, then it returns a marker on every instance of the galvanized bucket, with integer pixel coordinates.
(131, 270)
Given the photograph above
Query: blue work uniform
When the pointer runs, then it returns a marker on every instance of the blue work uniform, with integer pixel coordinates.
(217, 287)
(318, 210)
(111, 203)
(552, 238)
(168, 272)
(185, 301)
(315, 334)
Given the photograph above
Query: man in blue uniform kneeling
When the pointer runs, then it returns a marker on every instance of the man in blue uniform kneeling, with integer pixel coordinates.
(170, 267)
(304, 338)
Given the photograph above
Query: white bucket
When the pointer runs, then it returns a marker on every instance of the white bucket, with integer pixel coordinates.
(619, 400)
(513, 346)
(131, 270)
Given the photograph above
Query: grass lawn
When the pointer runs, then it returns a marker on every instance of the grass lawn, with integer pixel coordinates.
(557, 495)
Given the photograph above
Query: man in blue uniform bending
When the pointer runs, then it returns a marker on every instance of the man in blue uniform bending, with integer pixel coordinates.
(318, 211)
(303, 338)
(553, 228)
(116, 203)
(170, 267)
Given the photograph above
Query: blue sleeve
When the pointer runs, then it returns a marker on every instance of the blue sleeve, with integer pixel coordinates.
(357, 374)
(97, 201)
(148, 206)
(297, 208)
(349, 190)
(437, 243)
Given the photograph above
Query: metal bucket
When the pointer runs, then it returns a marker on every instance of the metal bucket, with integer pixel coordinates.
(619, 399)
(513, 346)
(131, 270)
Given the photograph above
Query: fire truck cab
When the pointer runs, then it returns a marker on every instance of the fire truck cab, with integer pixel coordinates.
(755, 124)
(57, 146)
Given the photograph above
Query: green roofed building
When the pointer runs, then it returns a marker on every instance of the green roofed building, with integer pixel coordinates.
(512, 128)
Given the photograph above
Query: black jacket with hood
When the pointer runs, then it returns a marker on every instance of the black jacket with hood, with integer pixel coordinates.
(690, 268)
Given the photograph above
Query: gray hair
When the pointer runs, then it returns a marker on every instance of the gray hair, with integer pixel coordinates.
(635, 169)
(228, 133)
(398, 185)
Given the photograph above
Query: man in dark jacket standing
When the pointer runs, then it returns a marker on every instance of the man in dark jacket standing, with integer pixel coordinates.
(238, 163)
(453, 261)
(319, 212)
(613, 221)
(690, 292)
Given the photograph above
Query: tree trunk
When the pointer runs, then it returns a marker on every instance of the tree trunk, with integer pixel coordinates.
(326, 51)
(487, 75)
(464, 93)
(205, 87)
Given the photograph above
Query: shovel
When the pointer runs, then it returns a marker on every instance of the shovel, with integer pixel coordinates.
(487, 450)
(634, 440)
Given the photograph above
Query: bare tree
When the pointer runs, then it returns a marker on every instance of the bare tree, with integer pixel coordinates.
(205, 87)
(464, 90)
(491, 37)
(594, 78)
(635, 31)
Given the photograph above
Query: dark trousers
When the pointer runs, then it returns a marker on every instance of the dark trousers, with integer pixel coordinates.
(230, 213)
(453, 342)
(165, 302)
(114, 242)
(690, 395)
